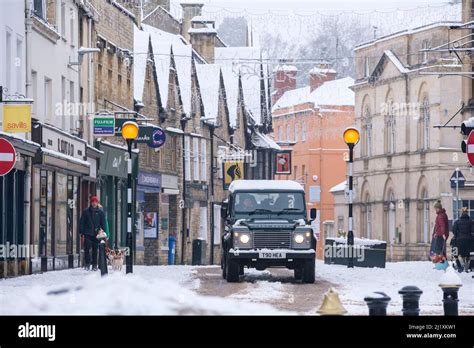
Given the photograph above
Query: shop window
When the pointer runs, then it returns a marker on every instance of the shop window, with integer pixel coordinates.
(196, 159)
(203, 223)
(61, 216)
(203, 160)
(187, 158)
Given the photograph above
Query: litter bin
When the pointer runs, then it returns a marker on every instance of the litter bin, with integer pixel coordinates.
(171, 250)
(199, 252)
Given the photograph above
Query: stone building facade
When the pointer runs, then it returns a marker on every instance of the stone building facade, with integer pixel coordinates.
(403, 164)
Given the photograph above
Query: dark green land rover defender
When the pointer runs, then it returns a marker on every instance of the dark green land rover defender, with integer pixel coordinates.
(266, 226)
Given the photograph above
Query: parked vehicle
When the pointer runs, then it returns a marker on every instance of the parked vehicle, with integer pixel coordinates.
(266, 226)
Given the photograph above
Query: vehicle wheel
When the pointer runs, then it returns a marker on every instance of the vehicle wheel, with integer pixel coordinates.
(309, 269)
(241, 270)
(232, 271)
(299, 273)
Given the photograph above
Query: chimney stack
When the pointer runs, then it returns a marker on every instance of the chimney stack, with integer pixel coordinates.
(320, 74)
(190, 10)
(284, 80)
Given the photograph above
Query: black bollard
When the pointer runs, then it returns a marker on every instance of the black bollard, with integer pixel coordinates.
(102, 258)
(377, 303)
(450, 300)
(411, 300)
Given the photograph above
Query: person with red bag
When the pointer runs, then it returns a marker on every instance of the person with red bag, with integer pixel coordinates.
(440, 235)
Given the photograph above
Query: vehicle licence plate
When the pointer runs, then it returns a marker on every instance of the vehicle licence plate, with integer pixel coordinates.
(272, 255)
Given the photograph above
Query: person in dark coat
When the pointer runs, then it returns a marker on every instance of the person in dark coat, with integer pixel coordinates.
(462, 229)
(441, 231)
(92, 221)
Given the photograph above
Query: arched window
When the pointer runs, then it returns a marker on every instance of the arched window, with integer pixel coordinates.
(288, 133)
(424, 124)
(297, 129)
(390, 132)
(391, 223)
(367, 129)
(303, 131)
(280, 133)
(368, 216)
(426, 218)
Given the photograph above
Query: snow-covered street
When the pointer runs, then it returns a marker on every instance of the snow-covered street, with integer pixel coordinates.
(172, 290)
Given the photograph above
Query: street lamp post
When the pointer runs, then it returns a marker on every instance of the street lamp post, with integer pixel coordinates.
(351, 137)
(129, 133)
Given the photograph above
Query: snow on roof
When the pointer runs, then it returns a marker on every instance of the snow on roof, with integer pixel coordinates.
(202, 31)
(336, 92)
(322, 71)
(162, 43)
(245, 60)
(259, 185)
(407, 32)
(293, 97)
(286, 68)
(182, 58)
(264, 141)
(393, 58)
(231, 87)
(140, 57)
(339, 187)
(208, 77)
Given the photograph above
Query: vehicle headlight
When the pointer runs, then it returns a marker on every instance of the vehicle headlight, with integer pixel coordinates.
(299, 238)
(244, 238)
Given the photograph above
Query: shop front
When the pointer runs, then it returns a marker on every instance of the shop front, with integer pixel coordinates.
(112, 189)
(58, 168)
(149, 236)
(16, 248)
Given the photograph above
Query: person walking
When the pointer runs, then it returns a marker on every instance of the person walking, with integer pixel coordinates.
(440, 235)
(463, 239)
(91, 224)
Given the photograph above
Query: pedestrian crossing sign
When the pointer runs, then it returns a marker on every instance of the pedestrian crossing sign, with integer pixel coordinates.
(233, 170)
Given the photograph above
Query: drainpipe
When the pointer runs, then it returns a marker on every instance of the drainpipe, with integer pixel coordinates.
(183, 222)
(212, 194)
(29, 180)
(28, 26)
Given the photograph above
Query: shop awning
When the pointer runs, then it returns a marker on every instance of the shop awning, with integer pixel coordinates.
(262, 141)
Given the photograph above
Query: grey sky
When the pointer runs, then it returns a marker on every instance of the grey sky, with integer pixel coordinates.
(297, 19)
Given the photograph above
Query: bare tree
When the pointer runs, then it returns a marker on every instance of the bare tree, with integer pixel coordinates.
(233, 30)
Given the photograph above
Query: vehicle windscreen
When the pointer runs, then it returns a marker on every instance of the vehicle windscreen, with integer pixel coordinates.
(269, 202)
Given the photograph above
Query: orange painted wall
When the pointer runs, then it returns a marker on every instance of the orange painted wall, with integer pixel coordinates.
(321, 154)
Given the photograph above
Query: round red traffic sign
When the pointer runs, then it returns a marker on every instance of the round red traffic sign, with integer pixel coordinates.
(7, 156)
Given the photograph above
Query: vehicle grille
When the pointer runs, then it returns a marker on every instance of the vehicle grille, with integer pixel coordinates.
(272, 239)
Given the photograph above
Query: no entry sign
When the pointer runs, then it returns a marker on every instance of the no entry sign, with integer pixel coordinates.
(470, 148)
(7, 156)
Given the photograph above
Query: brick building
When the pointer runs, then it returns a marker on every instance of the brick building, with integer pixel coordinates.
(310, 122)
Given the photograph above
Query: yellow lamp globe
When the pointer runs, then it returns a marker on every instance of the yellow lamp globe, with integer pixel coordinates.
(351, 136)
(130, 130)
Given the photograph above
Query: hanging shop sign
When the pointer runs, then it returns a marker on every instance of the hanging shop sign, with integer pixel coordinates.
(153, 136)
(283, 162)
(104, 126)
(233, 170)
(17, 118)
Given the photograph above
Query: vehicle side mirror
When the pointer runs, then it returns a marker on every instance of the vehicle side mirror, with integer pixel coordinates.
(224, 210)
(313, 214)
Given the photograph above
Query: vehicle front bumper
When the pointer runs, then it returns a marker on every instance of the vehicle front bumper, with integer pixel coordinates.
(254, 255)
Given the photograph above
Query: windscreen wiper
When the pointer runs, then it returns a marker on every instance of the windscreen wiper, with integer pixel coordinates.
(261, 210)
(288, 209)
